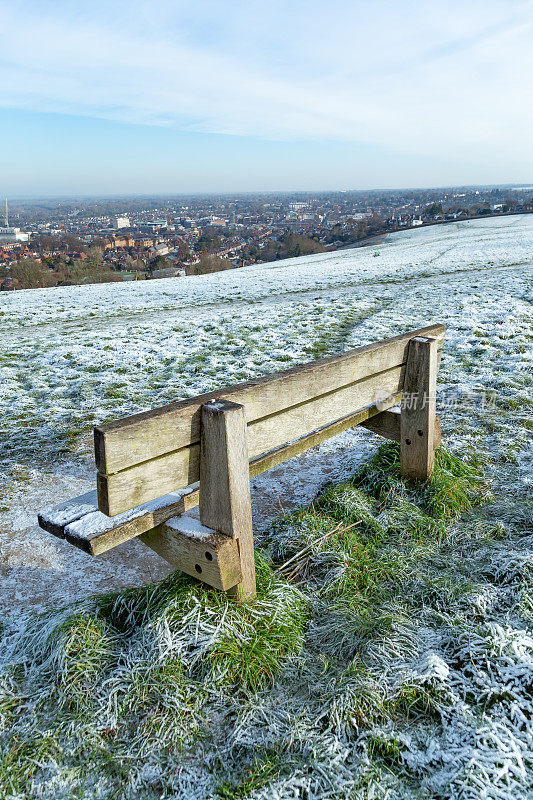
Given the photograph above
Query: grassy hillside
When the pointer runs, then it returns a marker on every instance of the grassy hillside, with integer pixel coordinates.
(370, 665)
(390, 652)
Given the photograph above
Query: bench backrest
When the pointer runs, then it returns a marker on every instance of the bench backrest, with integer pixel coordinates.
(147, 455)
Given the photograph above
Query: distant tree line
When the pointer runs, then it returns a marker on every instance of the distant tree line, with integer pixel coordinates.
(208, 264)
(288, 245)
(59, 271)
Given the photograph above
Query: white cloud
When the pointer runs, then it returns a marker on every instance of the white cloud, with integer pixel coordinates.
(452, 79)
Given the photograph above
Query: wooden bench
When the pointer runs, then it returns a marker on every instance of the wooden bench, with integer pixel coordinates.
(155, 466)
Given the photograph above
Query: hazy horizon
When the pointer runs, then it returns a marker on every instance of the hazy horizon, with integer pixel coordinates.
(524, 186)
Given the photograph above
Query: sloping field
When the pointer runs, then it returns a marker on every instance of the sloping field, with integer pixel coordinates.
(393, 662)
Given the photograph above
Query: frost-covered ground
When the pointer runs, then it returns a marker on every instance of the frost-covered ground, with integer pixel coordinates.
(72, 357)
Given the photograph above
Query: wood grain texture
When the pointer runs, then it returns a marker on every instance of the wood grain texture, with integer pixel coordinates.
(151, 434)
(83, 525)
(283, 453)
(225, 501)
(144, 482)
(150, 479)
(273, 431)
(80, 522)
(417, 419)
(213, 559)
(388, 425)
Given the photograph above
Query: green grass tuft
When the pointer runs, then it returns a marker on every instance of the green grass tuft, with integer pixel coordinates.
(84, 645)
(251, 644)
(266, 765)
(413, 701)
(372, 542)
(22, 757)
(455, 485)
(385, 749)
(346, 504)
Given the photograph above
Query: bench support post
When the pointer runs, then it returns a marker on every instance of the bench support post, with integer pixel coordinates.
(417, 419)
(225, 500)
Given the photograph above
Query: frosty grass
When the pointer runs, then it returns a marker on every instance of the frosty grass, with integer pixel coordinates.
(331, 686)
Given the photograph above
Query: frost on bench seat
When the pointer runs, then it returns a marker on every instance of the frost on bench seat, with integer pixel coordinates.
(81, 523)
(229, 436)
(182, 540)
(191, 527)
(57, 518)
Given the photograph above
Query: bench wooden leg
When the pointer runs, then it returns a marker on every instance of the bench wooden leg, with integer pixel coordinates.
(225, 501)
(417, 419)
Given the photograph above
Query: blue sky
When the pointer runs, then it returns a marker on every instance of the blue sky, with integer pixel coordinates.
(172, 96)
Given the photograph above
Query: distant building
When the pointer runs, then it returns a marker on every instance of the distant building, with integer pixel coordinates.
(10, 285)
(155, 226)
(170, 272)
(114, 242)
(121, 222)
(143, 242)
(10, 234)
(8, 247)
(159, 249)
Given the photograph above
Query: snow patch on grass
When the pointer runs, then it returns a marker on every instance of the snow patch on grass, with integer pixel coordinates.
(405, 667)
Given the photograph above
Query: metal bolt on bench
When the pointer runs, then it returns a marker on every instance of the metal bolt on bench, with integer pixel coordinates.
(155, 466)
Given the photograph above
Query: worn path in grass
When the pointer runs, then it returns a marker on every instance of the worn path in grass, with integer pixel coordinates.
(194, 313)
(119, 361)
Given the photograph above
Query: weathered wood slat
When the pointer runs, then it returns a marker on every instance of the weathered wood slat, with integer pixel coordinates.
(225, 501)
(95, 533)
(388, 425)
(197, 550)
(273, 431)
(139, 484)
(281, 454)
(417, 453)
(147, 480)
(57, 518)
(149, 435)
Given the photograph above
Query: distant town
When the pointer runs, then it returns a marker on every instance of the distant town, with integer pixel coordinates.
(69, 241)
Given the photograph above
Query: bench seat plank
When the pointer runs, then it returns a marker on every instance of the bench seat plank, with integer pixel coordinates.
(81, 523)
(57, 518)
(94, 532)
